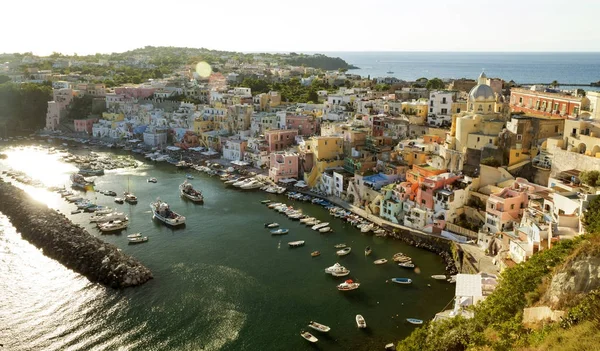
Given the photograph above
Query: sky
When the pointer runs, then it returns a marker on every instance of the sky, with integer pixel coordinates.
(86, 27)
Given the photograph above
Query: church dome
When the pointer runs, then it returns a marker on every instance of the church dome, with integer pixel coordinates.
(482, 92)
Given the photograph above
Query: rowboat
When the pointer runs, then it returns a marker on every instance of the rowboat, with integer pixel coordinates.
(315, 253)
(318, 326)
(339, 246)
(414, 321)
(360, 321)
(344, 252)
(380, 261)
(296, 243)
(308, 336)
(402, 280)
(368, 251)
(271, 225)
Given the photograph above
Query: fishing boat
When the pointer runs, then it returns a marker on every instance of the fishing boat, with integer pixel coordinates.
(187, 190)
(336, 268)
(402, 280)
(402, 259)
(315, 253)
(343, 252)
(114, 226)
(380, 261)
(360, 321)
(271, 225)
(138, 240)
(163, 213)
(296, 243)
(279, 231)
(414, 321)
(348, 285)
(324, 230)
(134, 235)
(368, 251)
(319, 226)
(319, 327)
(308, 336)
(439, 277)
(152, 180)
(407, 265)
(339, 246)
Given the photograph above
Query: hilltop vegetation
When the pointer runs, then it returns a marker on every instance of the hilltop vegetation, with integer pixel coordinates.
(23, 106)
(497, 324)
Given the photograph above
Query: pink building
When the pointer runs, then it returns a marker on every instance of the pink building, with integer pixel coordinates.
(283, 165)
(505, 208)
(85, 125)
(280, 139)
(305, 125)
(426, 193)
(135, 92)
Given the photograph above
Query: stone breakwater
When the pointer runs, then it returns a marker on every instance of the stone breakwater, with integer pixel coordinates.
(68, 243)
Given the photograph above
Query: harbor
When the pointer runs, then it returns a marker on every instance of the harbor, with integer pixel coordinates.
(224, 260)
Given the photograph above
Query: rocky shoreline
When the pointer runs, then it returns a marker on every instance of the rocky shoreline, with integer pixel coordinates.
(439, 246)
(69, 243)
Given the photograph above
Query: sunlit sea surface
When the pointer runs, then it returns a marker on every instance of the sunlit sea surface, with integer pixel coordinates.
(221, 283)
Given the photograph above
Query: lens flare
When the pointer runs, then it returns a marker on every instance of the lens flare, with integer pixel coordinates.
(203, 69)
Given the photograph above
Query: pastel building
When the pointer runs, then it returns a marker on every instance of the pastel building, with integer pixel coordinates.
(548, 103)
(503, 209)
(280, 139)
(306, 125)
(234, 149)
(84, 125)
(283, 165)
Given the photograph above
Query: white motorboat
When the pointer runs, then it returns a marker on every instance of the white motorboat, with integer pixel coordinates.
(254, 184)
(439, 277)
(134, 235)
(130, 198)
(366, 228)
(274, 204)
(271, 225)
(380, 261)
(325, 230)
(343, 273)
(104, 211)
(280, 231)
(360, 321)
(112, 226)
(407, 265)
(308, 336)
(339, 246)
(336, 268)
(296, 243)
(138, 240)
(239, 183)
(114, 216)
(319, 226)
(319, 327)
(307, 219)
(152, 180)
(163, 213)
(348, 285)
(344, 251)
(313, 222)
(187, 190)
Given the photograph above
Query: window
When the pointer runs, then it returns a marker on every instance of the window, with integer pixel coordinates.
(492, 206)
(431, 103)
(512, 206)
(517, 154)
(444, 101)
(519, 137)
(477, 139)
(480, 108)
(431, 110)
(415, 156)
(556, 106)
(555, 129)
(444, 111)
(520, 100)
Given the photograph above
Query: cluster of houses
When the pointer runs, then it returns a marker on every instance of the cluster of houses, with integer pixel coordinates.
(480, 161)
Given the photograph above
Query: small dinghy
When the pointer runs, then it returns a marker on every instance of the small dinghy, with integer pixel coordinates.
(296, 243)
(402, 280)
(308, 336)
(407, 265)
(279, 231)
(368, 251)
(271, 225)
(134, 235)
(339, 246)
(360, 321)
(380, 261)
(315, 253)
(325, 230)
(265, 201)
(343, 252)
(318, 326)
(414, 321)
(439, 277)
(138, 240)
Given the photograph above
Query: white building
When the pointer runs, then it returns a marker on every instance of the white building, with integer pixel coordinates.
(233, 150)
(440, 107)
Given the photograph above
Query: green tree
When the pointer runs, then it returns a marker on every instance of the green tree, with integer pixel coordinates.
(590, 178)
(435, 84)
(4, 79)
(490, 161)
(591, 216)
(554, 83)
(80, 107)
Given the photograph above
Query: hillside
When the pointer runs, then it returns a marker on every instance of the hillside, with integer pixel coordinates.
(566, 278)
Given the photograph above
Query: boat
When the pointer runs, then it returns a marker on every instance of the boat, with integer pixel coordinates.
(348, 285)
(319, 226)
(152, 180)
(138, 240)
(343, 252)
(113, 226)
(366, 228)
(265, 201)
(307, 219)
(187, 190)
(79, 182)
(115, 216)
(402, 280)
(271, 225)
(325, 230)
(439, 277)
(75, 211)
(189, 176)
(414, 321)
(279, 231)
(341, 273)
(163, 213)
(360, 321)
(339, 246)
(130, 198)
(119, 200)
(390, 347)
(308, 336)
(296, 243)
(110, 193)
(319, 327)
(407, 265)
(368, 251)
(134, 235)
(380, 261)
(315, 253)
(401, 258)
(254, 184)
(337, 268)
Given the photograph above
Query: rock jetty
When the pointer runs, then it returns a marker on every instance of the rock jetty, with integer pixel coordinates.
(68, 243)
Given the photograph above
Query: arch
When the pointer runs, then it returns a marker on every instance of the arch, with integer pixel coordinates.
(581, 148)
(350, 198)
(595, 150)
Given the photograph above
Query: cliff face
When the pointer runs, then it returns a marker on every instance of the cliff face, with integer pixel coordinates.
(575, 278)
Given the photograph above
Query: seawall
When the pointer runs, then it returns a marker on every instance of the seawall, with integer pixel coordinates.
(68, 243)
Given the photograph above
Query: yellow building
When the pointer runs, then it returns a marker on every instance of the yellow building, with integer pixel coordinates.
(201, 126)
(113, 117)
(326, 152)
(417, 108)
